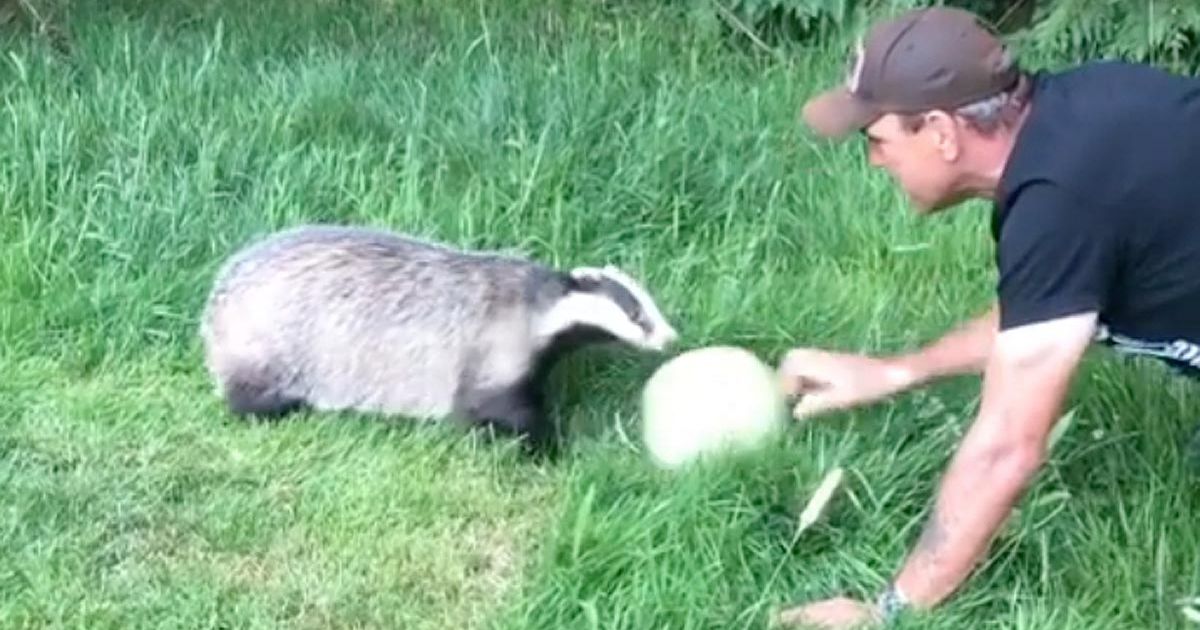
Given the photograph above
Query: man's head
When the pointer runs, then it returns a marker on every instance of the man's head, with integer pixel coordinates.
(937, 94)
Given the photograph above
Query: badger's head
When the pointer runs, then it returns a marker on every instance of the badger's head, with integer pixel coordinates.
(603, 303)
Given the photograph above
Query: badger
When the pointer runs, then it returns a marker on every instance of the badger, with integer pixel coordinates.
(337, 317)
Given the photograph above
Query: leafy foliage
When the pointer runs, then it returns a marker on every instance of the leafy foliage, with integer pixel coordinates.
(1163, 33)
(44, 17)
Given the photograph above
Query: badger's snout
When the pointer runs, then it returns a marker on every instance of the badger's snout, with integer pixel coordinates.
(661, 338)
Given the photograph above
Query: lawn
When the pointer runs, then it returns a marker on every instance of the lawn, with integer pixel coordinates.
(579, 133)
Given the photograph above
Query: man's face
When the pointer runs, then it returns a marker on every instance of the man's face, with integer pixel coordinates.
(922, 162)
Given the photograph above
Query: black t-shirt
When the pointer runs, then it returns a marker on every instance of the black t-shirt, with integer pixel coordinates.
(1098, 209)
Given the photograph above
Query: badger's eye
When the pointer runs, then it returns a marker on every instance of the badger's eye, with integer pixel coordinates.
(640, 317)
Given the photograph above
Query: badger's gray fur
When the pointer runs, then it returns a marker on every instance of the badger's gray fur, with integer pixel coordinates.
(339, 317)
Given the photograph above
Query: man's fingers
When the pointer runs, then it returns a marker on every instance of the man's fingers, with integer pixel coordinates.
(795, 384)
(812, 405)
(798, 372)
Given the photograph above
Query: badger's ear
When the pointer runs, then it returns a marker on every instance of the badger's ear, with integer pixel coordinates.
(585, 278)
(587, 272)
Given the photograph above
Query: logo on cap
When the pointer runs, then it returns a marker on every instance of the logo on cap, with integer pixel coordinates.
(855, 75)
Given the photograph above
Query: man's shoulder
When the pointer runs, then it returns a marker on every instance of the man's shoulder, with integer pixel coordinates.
(1105, 69)
(1116, 85)
(1105, 106)
(1100, 129)
(1073, 114)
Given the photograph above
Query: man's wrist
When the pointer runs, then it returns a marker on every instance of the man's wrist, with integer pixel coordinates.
(891, 602)
(904, 371)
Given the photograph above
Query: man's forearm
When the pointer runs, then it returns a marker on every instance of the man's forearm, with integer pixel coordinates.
(998, 457)
(964, 350)
(975, 498)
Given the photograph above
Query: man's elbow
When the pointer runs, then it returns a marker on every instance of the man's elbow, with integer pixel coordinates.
(1012, 463)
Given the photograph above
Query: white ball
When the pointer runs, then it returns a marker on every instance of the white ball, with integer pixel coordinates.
(710, 401)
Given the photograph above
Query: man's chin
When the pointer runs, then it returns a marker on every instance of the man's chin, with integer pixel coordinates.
(926, 207)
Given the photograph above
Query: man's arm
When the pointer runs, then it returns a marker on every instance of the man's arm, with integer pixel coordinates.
(1000, 454)
(963, 350)
(834, 380)
(1055, 261)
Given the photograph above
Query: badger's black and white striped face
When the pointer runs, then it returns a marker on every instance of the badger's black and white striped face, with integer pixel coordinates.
(606, 299)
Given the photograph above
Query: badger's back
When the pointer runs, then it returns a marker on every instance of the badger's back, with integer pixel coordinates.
(353, 317)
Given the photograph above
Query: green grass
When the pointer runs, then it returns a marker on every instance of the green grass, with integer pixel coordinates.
(130, 499)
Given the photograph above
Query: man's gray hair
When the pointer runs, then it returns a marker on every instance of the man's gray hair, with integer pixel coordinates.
(988, 115)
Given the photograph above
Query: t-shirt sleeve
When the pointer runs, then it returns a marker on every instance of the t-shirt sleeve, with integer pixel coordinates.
(1054, 257)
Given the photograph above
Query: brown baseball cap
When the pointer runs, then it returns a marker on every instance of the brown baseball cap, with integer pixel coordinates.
(932, 58)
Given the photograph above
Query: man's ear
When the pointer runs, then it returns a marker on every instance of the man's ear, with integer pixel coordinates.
(943, 132)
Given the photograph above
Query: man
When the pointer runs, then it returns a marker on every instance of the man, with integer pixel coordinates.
(1094, 175)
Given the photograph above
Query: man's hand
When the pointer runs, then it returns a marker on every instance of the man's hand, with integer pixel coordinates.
(1025, 383)
(831, 381)
(834, 381)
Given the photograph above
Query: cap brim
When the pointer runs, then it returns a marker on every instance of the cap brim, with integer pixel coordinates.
(836, 114)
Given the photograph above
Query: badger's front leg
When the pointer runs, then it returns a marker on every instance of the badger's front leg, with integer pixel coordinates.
(258, 391)
(516, 409)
